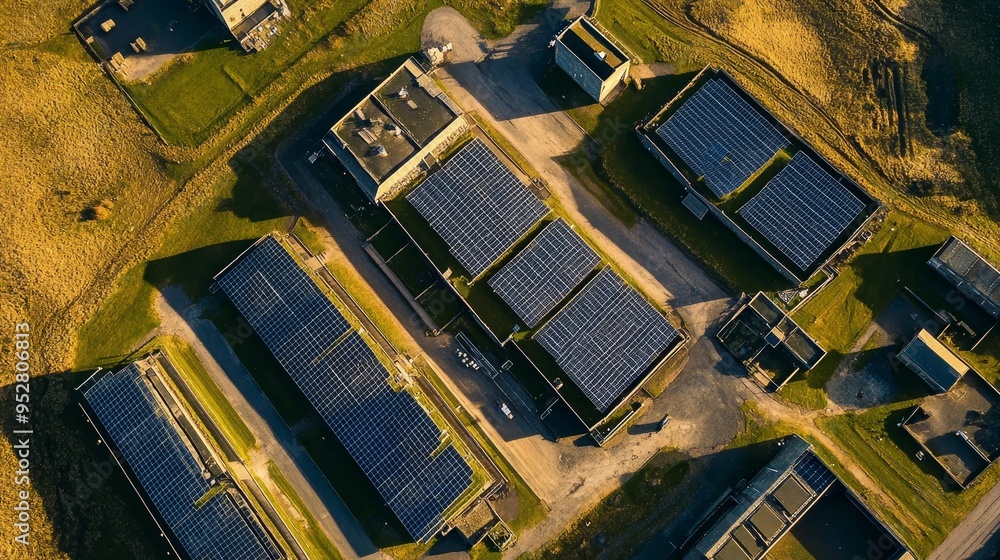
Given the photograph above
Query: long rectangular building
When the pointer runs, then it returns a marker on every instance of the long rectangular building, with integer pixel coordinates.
(205, 519)
(968, 271)
(758, 178)
(405, 455)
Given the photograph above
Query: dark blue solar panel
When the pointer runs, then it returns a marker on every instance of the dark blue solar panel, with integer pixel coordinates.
(802, 210)
(170, 474)
(389, 435)
(814, 473)
(544, 272)
(721, 136)
(606, 338)
(477, 205)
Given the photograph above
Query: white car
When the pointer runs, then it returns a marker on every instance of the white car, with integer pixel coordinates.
(505, 409)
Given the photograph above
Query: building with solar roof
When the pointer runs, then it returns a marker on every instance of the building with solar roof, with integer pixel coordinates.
(533, 283)
(968, 271)
(395, 133)
(763, 182)
(178, 478)
(795, 489)
(414, 464)
(592, 58)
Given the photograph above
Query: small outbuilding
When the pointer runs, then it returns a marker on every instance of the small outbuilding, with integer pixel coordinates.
(938, 366)
(591, 58)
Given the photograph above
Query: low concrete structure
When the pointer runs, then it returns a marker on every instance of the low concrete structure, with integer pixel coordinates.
(968, 271)
(760, 328)
(396, 133)
(933, 362)
(959, 429)
(591, 58)
(775, 500)
(252, 22)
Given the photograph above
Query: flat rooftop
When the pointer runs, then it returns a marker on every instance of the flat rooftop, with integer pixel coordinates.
(970, 272)
(970, 407)
(401, 116)
(584, 40)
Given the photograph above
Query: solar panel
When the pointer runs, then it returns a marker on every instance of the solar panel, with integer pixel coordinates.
(545, 272)
(390, 436)
(477, 205)
(721, 136)
(169, 472)
(802, 210)
(814, 473)
(606, 337)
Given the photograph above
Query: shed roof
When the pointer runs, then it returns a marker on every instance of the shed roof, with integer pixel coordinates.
(927, 355)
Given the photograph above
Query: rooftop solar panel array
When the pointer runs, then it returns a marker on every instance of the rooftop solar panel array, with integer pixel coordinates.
(802, 210)
(170, 474)
(545, 272)
(721, 136)
(606, 337)
(477, 205)
(389, 435)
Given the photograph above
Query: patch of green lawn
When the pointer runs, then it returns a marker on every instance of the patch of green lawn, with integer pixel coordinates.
(839, 313)
(193, 97)
(119, 325)
(208, 394)
(808, 389)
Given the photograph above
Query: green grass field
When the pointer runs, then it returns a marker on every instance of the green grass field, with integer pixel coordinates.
(193, 98)
(842, 310)
(241, 210)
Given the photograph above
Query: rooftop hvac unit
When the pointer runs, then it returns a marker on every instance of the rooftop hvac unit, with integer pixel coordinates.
(403, 94)
(601, 55)
(380, 151)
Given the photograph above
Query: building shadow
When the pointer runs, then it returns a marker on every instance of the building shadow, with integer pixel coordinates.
(91, 507)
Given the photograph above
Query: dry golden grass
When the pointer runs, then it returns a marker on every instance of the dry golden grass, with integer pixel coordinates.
(774, 31)
(69, 140)
(822, 49)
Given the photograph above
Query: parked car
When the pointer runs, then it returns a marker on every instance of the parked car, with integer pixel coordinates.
(505, 409)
